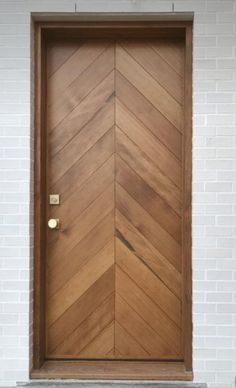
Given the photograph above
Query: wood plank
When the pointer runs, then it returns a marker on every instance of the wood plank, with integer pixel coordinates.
(61, 268)
(58, 54)
(74, 66)
(152, 91)
(142, 332)
(101, 345)
(149, 311)
(144, 167)
(148, 199)
(71, 235)
(172, 50)
(85, 167)
(90, 190)
(149, 144)
(80, 310)
(81, 115)
(88, 330)
(65, 102)
(111, 353)
(148, 282)
(80, 282)
(82, 141)
(157, 66)
(127, 345)
(141, 247)
(148, 227)
(148, 115)
(133, 370)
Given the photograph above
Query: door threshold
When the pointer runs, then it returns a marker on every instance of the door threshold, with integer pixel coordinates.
(109, 384)
(110, 370)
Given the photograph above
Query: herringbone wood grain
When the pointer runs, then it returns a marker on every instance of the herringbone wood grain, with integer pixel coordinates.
(114, 269)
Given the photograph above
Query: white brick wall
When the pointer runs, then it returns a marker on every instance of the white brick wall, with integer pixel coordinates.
(214, 181)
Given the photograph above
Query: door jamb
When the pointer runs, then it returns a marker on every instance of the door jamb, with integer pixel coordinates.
(40, 31)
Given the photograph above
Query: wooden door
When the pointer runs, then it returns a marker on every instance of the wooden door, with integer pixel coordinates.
(114, 283)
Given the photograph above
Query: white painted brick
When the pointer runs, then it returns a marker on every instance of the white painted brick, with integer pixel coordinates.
(227, 331)
(226, 198)
(220, 365)
(226, 17)
(205, 308)
(208, 86)
(231, 220)
(218, 209)
(49, 6)
(211, 74)
(226, 286)
(219, 29)
(226, 85)
(219, 52)
(218, 119)
(218, 164)
(205, 286)
(224, 297)
(226, 108)
(206, 18)
(226, 242)
(226, 308)
(226, 153)
(219, 97)
(220, 6)
(218, 231)
(226, 63)
(203, 108)
(202, 176)
(226, 264)
(219, 142)
(219, 275)
(205, 41)
(223, 41)
(218, 187)
(204, 197)
(205, 353)
(221, 342)
(205, 376)
(219, 319)
(204, 153)
(190, 5)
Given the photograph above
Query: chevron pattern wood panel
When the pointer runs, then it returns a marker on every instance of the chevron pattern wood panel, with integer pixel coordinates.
(115, 131)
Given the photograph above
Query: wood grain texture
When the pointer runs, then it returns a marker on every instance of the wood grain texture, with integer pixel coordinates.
(131, 370)
(115, 273)
(80, 273)
(153, 91)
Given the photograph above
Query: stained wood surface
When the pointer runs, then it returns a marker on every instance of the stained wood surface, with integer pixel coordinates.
(114, 269)
(133, 370)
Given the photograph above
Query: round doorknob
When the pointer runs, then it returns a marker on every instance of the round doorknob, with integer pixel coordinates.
(53, 223)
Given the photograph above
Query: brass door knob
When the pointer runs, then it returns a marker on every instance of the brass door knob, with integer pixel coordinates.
(53, 223)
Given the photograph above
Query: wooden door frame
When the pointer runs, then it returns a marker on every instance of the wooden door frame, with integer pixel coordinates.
(181, 370)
